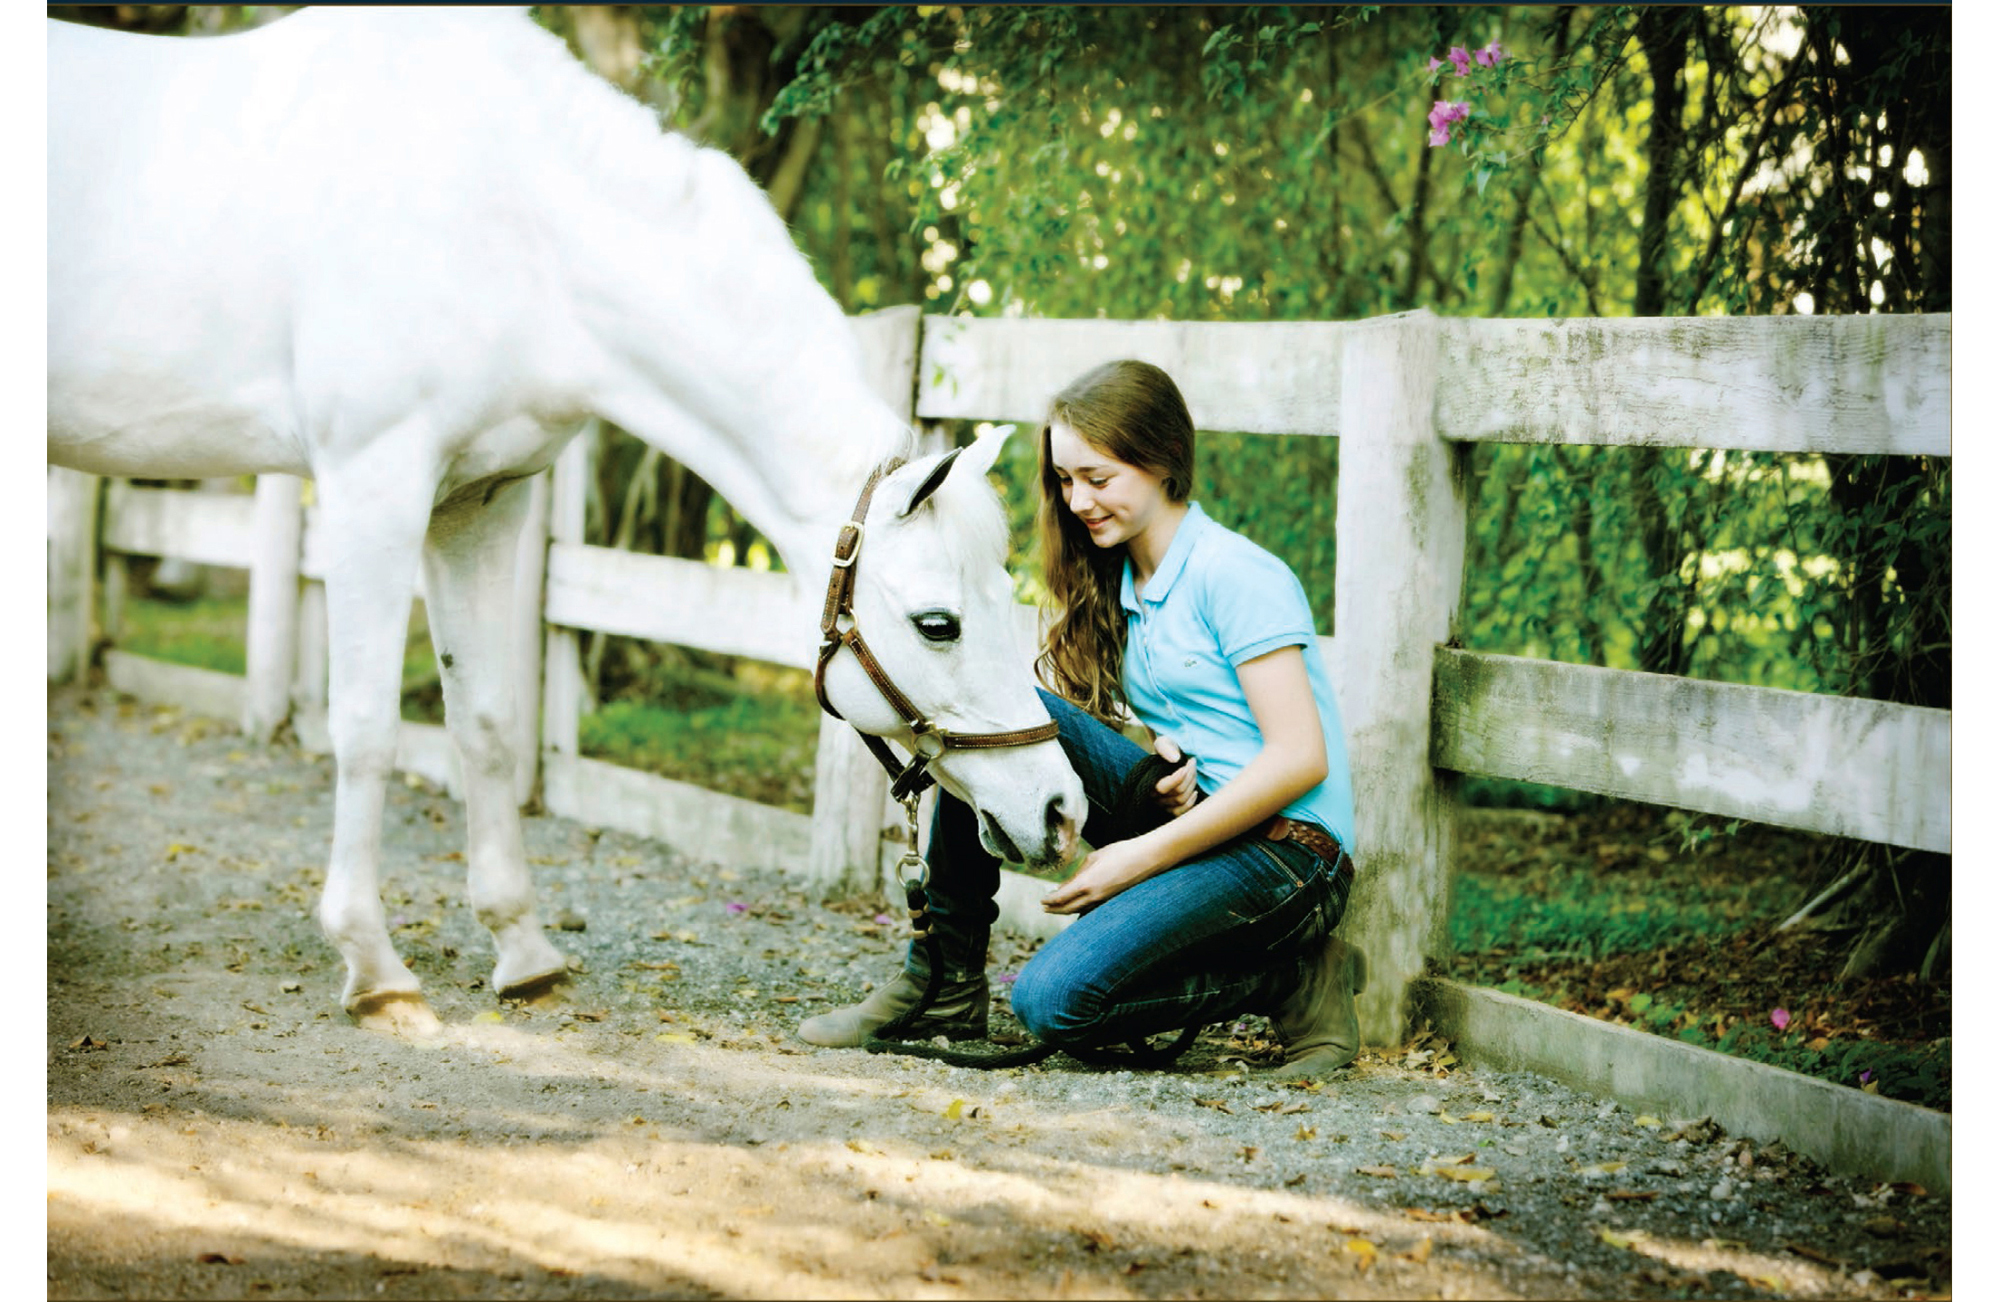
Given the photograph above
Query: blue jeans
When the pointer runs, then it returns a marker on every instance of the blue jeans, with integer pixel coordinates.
(1223, 935)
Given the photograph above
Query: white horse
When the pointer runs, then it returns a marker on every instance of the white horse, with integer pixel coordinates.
(408, 253)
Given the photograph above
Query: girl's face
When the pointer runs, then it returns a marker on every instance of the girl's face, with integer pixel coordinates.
(1117, 502)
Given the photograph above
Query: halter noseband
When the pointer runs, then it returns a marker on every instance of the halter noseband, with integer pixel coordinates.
(928, 740)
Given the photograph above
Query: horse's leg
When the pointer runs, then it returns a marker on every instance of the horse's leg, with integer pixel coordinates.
(469, 560)
(374, 516)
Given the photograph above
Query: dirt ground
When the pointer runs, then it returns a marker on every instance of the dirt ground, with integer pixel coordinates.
(217, 1128)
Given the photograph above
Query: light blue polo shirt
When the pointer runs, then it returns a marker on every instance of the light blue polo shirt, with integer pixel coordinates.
(1217, 600)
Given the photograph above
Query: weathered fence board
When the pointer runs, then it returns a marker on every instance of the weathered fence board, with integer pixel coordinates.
(1262, 377)
(270, 644)
(1778, 384)
(666, 599)
(198, 691)
(208, 528)
(1868, 769)
(72, 545)
(1838, 1126)
(1401, 523)
(702, 824)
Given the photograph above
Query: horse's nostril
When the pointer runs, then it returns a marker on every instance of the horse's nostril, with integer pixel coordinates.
(1056, 815)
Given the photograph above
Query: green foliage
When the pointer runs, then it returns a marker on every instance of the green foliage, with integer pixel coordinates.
(1573, 912)
(207, 634)
(747, 737)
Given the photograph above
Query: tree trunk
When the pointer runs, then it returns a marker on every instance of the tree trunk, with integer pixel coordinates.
(1662, 36)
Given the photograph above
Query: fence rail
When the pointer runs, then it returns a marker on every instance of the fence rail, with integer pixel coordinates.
(1409, 393)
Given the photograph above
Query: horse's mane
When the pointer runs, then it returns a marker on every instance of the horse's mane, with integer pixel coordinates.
(619, 144)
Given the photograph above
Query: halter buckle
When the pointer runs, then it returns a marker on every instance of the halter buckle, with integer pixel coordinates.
(847, 545)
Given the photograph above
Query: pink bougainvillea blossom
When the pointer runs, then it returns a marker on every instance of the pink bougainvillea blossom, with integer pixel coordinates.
(1780, 1018)
(1436, 63)
(1490, 54)
(1444, 112)
(1460, 60)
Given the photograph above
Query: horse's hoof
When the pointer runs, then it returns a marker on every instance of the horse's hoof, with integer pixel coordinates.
(404, 1015)
(527, 963)
(532, 986)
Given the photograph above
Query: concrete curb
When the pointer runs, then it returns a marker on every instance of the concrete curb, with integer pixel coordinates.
(1843, 1129)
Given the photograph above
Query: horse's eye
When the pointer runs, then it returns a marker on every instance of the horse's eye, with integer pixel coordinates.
(937, 625)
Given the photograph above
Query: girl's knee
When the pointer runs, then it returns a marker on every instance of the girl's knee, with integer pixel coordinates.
(1054, 1011)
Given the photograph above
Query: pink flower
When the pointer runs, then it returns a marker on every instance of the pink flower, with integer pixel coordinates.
(1865, 1076)
(883, 919)
(1436, 63)
(737, 907)
(1443, 113)
(1007, 978)
(1780, 1018)
(1490, 54)
(1460, 60)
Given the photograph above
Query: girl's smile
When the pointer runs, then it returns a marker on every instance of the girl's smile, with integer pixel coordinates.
(1120, 504)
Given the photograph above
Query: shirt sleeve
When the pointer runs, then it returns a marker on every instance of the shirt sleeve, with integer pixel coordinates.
(1256, 605)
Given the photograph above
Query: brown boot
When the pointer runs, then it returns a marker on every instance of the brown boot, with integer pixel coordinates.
(958, 1014)
(1317, 1022)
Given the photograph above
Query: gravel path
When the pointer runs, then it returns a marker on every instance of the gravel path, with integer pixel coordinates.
(216, 1128)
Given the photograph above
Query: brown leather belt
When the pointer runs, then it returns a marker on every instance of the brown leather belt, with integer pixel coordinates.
(1313, 837)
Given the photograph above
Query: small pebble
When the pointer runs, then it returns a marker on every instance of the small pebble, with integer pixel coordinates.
(569, 920)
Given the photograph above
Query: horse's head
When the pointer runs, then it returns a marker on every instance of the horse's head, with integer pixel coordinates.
(934, 603)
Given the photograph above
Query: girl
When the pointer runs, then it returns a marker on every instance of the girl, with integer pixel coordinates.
(1218, 897)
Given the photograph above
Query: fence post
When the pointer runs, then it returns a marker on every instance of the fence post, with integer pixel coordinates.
(1400, 537)
(850, 791)
(72, 565)
(270, 649)
(562, 663)
(530, 567)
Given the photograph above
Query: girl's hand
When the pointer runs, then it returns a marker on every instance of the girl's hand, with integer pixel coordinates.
(1102, 874)
(1177, 791)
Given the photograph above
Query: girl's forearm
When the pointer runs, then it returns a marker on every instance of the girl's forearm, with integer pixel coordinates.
(1265, 786)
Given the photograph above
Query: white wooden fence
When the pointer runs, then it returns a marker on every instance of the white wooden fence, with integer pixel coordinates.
(1405, 393)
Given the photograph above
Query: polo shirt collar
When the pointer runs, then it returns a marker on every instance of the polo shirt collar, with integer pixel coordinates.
(1194, 523)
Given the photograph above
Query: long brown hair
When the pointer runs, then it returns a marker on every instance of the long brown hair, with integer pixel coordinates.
(1132, 412)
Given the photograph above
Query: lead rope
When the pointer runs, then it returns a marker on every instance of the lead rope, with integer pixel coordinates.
(914, 875)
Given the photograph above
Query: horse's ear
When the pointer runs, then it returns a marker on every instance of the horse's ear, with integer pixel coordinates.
(932, 481)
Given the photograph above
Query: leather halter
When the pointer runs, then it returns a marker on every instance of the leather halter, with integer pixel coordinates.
(929, 740)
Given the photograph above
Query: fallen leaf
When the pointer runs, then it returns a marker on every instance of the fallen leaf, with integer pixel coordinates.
(1447, 1118)
(1363, 1250)
(1910, 1189)
(1390, 1134)
(1601, 1168)
(490, 1016)
(1479, 1116)
(1648, 1120)
(1420, 1214)
(954, 1109)
(1306, 1132)
(1814, 1254)
(1468, 1174)
(219, 1259)
(1386, 1172)
(1632, 1195)
(1419, 1254)
(1217, 1104)
(937, 1218)
(1613, 1239)
(674, 1037)
(1095, 1240)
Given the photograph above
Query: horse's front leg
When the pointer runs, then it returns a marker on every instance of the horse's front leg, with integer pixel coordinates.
(469, 564)
(373, 515)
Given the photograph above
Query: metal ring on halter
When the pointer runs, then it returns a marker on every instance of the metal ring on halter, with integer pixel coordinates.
(923, 876)
(927, 742)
